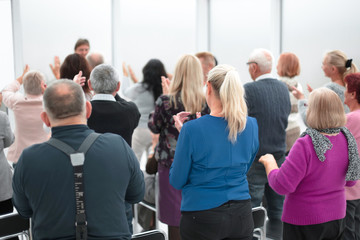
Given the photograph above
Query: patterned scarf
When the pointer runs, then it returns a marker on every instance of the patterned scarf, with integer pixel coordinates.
(322, 144)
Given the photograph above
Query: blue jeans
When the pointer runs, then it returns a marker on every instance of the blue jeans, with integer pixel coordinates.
(259, 187)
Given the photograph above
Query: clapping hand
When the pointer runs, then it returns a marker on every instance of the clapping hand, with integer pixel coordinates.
(20, 79)
(297, 93)
(165, 83)
(56, 67)
(126, 73)
(79, 79)
(180, 118)
(309, 88)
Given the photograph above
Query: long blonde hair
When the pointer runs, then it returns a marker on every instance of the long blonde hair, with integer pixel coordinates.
(225, 81)
(338, 59)
(188, 79)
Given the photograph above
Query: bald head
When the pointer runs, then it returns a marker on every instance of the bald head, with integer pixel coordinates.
(94, 59)
(64, 99)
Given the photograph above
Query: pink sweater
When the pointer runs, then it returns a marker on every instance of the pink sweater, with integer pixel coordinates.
(353, 124)
(314, 190)
(28, 124)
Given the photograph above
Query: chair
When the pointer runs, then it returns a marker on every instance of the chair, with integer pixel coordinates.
(259, 217)
(148, 205)
(12, 225)
(150, 235)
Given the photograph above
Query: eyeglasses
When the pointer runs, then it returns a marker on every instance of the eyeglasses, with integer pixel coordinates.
(248, 63)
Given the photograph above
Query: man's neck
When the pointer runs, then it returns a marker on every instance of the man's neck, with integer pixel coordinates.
(77, 120)
(263, 76)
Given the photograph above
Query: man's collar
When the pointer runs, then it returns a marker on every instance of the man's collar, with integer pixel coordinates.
(104, 97)
(264, 76)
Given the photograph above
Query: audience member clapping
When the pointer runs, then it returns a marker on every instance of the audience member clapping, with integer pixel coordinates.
(75, 67)
(288, 68)
(27, 108)
(213, 155)
(185, 94)
(144, 95)
(336, 66)
(321, 163)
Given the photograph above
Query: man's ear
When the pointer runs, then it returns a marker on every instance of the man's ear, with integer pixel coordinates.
(88, 109)
(90, 86)
(118, 86)
(45, 119)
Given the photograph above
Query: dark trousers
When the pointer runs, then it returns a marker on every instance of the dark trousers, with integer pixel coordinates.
(232, 220)
(259, 187)
(352, 220)
(7, 207)
(332, 230)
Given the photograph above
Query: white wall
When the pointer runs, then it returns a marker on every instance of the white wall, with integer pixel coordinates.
(310, 28)
(137, 30)
(163, 29)
(237, 27)
(6, 43)
(51, 28)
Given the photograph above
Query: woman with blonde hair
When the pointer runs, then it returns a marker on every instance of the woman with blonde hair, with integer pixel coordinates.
(185, 94)
(212, 158)
(313, 177)
(336, 66)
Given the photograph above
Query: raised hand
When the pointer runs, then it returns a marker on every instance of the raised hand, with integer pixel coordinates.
(125, 72)
(20, 79)
(132, 75)
(309, 88)
(79, 79)
(56, 67)
(165, 83)
(297, 93)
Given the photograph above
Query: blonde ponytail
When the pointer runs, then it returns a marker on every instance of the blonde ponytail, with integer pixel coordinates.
(339, 59)
(227, 85)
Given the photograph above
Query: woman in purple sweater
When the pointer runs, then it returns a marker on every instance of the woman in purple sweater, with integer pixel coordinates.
(321, 163)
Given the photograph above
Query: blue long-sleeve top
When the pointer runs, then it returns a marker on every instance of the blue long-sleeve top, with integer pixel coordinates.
(210, 169)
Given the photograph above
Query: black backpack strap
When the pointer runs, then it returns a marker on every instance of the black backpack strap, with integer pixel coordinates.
(77, 160)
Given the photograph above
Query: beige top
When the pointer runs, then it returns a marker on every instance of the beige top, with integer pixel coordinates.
(28, 124)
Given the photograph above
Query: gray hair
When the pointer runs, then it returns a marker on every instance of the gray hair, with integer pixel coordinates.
(94, 59)
(263, 58)
(104, 79)
(32, 82)
(64, 99)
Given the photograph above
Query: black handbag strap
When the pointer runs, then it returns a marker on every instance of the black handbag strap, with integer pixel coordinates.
(77, 161)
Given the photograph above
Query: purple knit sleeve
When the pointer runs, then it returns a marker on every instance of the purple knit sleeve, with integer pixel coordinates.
(286, 179)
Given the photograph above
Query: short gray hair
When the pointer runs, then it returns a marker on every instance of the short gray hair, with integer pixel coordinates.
(64, 99)
(32, 82)
(104, 79)
(263, 58)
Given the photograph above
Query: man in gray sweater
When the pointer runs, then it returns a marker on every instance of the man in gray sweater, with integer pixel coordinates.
(268, 101)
